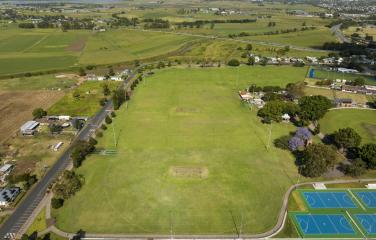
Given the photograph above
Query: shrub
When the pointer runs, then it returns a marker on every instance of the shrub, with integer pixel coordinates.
(233, 63)
(99, 134)
(103, 127)
(39, 113)
(57, 203)
(356, 168)
(113, 114)
(108, 120)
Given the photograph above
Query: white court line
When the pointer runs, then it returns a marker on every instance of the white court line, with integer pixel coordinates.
(357, 200)
(356, 225)
(313, 219)
(332, 223)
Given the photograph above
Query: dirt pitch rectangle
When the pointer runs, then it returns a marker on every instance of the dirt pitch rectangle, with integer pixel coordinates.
(16, 107)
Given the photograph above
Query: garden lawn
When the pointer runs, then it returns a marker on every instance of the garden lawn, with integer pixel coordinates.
(363, 121)
(87, 104)
(190, 156)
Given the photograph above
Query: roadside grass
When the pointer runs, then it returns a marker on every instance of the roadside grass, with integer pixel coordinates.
(363, 121)
(189, 119)
(87, 104)
(39, 223)
(43, 82)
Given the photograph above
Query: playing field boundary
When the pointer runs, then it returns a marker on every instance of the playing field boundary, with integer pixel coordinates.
(268, 234)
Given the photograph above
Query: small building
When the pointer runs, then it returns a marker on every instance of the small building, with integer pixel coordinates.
(64, 118)
(245, 96)
(6, 169)
(29, 128)
(58, 146)
(286, 117)
(343, 102)
(7, 195)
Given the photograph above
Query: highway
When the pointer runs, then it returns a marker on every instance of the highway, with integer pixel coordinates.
(336, 29)
(31, 200)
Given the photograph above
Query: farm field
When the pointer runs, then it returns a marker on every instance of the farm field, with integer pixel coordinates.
(184, 140)
(17, 106)
(43, 82)
(86, 103)
(363, 121)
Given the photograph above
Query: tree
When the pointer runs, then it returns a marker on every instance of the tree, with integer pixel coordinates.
(296, 143)
(55, 128)
(356, 168)
(272, 110)
(39, 113)
(57, 202)
(358, 81)
(108, 120)
(316, 160)
(251, 61)
(249, 47)
(119, 97)
(80, 151)
(106, 89)
(303, 133)
(295, 90)
(68, 184)
(25, 237)
(346, 138)
(313, 107)
(233, 63)
(81, 72)
(368, 154)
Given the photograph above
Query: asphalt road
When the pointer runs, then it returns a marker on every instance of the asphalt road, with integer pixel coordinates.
(23, 211)
(336, 29)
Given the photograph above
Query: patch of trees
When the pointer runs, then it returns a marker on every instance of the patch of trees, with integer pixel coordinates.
(313, 108)
(81, 150)
(276, 32)
(324, 82)
(26, 178)
(316, 159)
(344, 23)
(26, 25)
(124, 21)
(118, 98)
(73, 23)
(347, 49)
(273, 110)
(68, 184)
(200, 23)
(39, 113)
(156, 23)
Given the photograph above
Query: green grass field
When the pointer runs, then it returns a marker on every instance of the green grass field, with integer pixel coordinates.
(363, 121)
(87, 104)
(190, 154)
(332, 75)
(42, 82)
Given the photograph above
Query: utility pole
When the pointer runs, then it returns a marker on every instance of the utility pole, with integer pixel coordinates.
(113, 131)
(270, 135)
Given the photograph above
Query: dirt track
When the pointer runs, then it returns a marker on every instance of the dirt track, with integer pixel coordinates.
(16, 108)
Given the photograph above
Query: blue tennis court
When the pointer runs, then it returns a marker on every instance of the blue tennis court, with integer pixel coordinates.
(368, 222)
(320, 224)
(329, 200)
(367, 197)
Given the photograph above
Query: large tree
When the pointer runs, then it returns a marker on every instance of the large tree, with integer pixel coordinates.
(272, 110)
(316, 159)
(68, 184)
(368, 154)
(346, 138)
(39, 113)
(314, 107)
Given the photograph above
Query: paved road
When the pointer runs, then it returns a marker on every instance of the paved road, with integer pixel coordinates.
(266, 43)
(336, 29)
(14, 223)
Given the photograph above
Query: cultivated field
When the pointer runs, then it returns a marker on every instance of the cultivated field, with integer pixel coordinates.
(190, 157)
(363, 121)
(16, 108)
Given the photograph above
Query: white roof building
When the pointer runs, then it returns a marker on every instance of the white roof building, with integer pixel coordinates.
(29, 127)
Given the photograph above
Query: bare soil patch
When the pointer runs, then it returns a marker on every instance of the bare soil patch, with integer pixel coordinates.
(77, 46)
(189, 172)
(16, 107)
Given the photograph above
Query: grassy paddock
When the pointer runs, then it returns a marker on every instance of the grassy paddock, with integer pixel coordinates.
(363, 121)
(190, 120)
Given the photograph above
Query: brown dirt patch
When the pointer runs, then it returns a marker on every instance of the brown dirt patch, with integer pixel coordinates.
(17, 106)
(77, 46)
(189, 172)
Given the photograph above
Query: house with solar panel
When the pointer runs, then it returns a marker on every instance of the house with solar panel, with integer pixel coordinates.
(29, 128)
